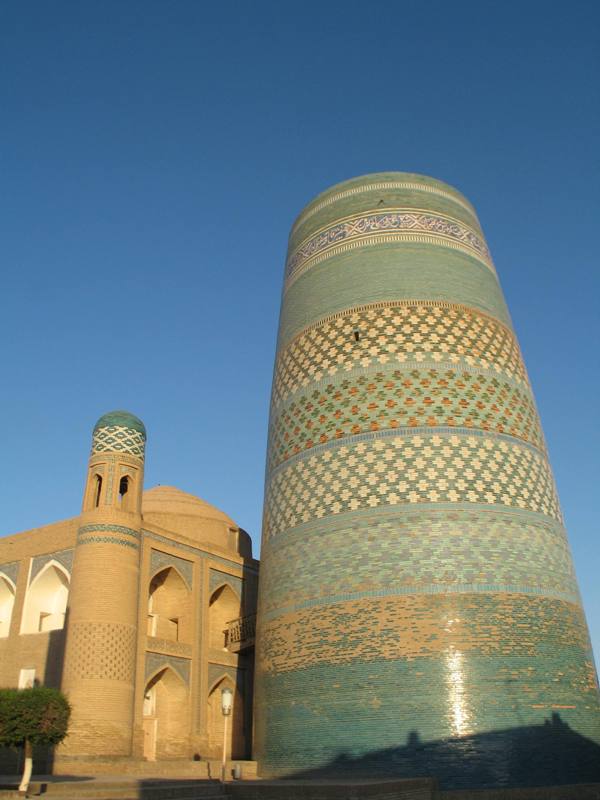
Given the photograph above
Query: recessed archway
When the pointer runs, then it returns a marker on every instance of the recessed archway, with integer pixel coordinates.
(7, 601)
(169, 608)
(224, 606)
(236, 743)
(46, 600)
(166, 716)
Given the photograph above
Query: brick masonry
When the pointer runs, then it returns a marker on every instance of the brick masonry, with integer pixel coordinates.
(417, 592)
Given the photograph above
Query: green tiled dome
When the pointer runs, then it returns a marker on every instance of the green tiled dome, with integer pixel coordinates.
(123, 418)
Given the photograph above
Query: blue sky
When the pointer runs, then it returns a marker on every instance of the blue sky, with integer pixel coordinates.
(153, 156)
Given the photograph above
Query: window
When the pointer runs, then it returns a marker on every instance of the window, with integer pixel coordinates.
(97, 490)
(123, 489)
(26, 679)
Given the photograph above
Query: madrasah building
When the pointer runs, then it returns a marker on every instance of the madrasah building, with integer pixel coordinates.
(141, 609)
(418, 611)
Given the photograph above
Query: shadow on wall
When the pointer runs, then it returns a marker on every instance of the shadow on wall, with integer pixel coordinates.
(551, 754)
(11, 761)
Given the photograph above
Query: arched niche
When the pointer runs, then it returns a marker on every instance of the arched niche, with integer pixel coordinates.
(7, 601)
(224, 606)
(236, 744)
(169, 607)
(46, 600)
(166, 716)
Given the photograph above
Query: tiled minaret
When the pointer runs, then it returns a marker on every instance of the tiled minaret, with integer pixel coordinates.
(99, 670)
(418, 610)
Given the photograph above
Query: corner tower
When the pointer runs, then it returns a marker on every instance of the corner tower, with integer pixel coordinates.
(99, 671)
(418, 608)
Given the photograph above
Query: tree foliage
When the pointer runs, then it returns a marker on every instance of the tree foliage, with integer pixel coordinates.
(38, 715)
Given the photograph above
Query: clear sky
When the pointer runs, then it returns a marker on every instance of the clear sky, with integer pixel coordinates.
(153, 156)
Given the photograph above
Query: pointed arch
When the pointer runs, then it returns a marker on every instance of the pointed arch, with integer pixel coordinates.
(166, 715)
(46, 599)
(169, 606)
(174, 567)
(7, 602)
(235, 745)
(224, 606)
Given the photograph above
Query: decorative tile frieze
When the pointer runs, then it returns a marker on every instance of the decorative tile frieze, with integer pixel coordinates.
(218, 578)
(151, 536)
(167, 646)
(394, 398)
(160, 561)
(379, 186)
(396, 334)
(217, 671)
(97, 527)
(422, 468)
(156, 661)
(63, 557)
(118, 439)
(11, 570)
(375, 227)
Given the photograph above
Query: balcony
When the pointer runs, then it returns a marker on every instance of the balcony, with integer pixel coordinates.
(239, 633)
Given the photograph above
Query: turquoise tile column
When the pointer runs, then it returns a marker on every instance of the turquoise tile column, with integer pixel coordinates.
(418, 609)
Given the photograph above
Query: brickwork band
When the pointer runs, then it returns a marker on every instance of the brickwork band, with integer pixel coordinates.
(417, 593)
(101, 623)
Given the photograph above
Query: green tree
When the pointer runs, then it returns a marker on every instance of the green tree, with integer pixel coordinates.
(28, 717)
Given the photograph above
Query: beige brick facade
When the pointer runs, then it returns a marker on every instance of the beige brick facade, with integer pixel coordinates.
(128, 608)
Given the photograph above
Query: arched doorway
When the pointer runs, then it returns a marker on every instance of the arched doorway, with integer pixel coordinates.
(46, 600)
(166, 716)
(236, 743)
(7, 601)
(224, 606)
(169, 615)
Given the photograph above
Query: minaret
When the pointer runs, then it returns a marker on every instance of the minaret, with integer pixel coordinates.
(99, 669)
(418, 608)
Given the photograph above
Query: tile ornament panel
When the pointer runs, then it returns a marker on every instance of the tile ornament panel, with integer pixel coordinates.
(168, 647)
(217, 671)
(379, 186)
(217, 578)
(417, 551)
(64, 557)
(152, 536)
(119, 439)
(418, 333)
(416, 578)
(156, 661)
(108, 533)
(375, 227)
(11, 570)
(160, 560)
(381, 399)
(370, 471)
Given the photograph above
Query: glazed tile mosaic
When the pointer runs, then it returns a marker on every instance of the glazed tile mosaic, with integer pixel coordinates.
(449, 467)
(372, 228)
(417, 590)
(397, 334)
(119, 439)
(381, 399)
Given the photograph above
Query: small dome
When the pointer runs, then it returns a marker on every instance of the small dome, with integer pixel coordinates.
(170, 500)
(122, 418)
